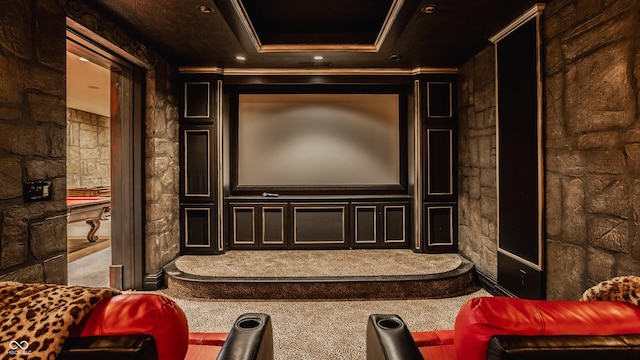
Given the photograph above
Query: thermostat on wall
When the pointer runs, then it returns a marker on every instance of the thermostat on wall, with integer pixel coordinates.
(37, 191)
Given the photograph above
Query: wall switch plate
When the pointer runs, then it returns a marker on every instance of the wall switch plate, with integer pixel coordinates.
(37, 191)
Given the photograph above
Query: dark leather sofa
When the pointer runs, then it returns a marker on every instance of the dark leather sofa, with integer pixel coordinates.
(149, 326)
(516, 329)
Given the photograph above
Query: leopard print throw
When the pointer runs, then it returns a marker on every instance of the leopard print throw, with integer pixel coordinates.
(35, 319)
(621, 288)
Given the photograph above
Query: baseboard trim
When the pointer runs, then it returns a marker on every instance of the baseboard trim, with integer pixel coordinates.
(491, 285)
(153, 281)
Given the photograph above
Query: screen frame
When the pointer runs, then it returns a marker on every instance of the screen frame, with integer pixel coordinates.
(400, 188)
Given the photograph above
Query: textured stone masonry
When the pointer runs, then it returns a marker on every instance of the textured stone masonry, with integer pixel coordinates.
(33, 138)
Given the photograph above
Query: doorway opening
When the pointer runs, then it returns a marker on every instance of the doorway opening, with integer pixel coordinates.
(109, 140)
(88, 170)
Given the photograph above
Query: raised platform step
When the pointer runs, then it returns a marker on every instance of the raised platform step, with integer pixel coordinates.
(321, 274)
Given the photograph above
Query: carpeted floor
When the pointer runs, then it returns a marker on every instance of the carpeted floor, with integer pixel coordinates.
(309, 263)
(323, 330)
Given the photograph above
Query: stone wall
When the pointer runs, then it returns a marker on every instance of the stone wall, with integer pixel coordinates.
(477, 162)
(88, 149)
(33, 134)
(32, 141)
(162, 169)
(592, 143)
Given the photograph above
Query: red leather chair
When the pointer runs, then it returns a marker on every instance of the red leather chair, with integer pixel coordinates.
(512, 328)
(150, 326)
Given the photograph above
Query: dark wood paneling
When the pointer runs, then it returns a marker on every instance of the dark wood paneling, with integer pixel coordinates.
(439, 177)
(365, 219)
(198, 229)
(439, 165)
(439, 99)
(244, 226)
(197, 100)
(395, 226)
(273, 226)
(319, 226)
(197, 162)
(441, 227)
(199, 166)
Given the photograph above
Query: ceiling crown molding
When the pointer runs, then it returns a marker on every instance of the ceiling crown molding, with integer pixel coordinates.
(536, 10)
(305, 71)
(391, 17)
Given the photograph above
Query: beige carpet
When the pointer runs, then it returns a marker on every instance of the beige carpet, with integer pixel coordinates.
(285, 263)
(306, 330)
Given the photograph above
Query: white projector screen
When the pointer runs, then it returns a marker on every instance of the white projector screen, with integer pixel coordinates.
(318, 140)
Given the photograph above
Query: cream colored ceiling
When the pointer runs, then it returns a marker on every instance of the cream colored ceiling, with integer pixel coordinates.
(88, 86)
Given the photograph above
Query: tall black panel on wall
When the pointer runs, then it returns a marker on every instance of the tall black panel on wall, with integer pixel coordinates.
(439, 165)
(519, 156)
(198, 185)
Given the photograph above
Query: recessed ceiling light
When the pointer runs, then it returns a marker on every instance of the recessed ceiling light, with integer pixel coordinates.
(83, 59)
(241, 58)
(394, 57)
(205, 9)
(429, 9)
(318, 57)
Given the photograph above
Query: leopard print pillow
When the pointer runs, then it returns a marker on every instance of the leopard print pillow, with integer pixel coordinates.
(621, 288)
(35, 319)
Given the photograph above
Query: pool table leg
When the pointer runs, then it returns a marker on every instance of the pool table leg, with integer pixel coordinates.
(95, 225)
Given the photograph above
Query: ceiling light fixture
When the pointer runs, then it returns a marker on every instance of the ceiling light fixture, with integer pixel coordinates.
(394, 57)
(318, 57)
(429, 9)
(241, 58)
(205, 9)
(83, 59)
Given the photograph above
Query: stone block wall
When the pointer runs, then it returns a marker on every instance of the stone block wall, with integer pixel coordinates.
(32, 141)
(477, 162)
(88, 149)
(592, 143)
(162, 169)
(33, 138)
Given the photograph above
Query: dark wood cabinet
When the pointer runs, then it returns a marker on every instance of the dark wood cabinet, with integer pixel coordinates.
(258, 226)
(318, 225)
(439, 166)
(198, 228)
(441, 223)
(199, 206)
(380, 225)
(197, 181)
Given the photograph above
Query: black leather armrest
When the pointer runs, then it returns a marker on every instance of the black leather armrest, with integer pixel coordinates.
(121, 347)
(250, 338)
(388, 338)
(572, 347)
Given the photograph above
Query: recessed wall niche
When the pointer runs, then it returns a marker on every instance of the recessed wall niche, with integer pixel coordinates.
(519, 156)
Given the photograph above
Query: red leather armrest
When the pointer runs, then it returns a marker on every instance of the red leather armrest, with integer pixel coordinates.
(431, 338)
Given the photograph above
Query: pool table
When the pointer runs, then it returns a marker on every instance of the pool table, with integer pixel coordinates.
(89, 209)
